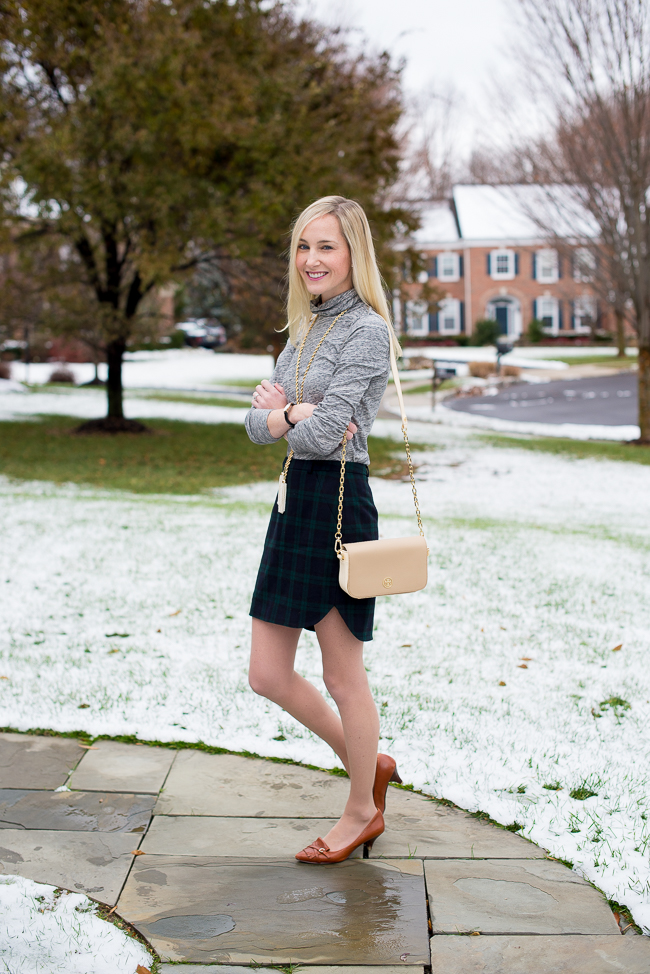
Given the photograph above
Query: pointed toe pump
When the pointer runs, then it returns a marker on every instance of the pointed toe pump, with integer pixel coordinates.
(386, 771)
(320, 853)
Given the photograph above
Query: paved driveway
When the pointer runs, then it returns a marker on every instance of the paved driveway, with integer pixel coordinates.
(610, 400)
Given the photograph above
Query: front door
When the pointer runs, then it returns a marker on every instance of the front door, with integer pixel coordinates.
(502, 318)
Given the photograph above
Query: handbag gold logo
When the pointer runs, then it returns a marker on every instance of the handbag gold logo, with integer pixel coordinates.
(387, 582)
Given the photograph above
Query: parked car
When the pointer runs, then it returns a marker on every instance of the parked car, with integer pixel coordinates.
(203, 332)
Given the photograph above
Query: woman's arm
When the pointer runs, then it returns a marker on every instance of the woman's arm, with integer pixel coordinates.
(364, 356)
(268, 398)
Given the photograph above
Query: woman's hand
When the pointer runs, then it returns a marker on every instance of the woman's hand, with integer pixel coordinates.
(267, 396)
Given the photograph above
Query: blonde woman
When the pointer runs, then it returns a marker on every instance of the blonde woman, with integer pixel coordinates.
(327, 384)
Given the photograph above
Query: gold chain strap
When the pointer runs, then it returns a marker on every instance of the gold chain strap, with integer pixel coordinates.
(338, 538)
(300, 391)
(338, 543)
(412, 474)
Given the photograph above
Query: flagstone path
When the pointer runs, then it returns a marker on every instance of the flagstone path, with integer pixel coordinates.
(215, 886)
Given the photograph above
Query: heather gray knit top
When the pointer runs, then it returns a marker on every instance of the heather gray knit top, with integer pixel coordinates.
(347, 380)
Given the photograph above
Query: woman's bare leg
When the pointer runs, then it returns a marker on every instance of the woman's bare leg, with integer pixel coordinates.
(346, 679)
(272, 675)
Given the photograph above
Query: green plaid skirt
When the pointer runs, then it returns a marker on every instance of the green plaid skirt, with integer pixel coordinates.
(298, 580)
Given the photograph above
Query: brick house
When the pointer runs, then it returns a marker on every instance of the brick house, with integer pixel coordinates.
(487, 255)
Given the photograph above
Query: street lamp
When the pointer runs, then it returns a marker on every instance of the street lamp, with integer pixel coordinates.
(503, 347)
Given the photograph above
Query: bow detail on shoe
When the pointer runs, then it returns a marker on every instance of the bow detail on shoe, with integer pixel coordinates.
(318, 851)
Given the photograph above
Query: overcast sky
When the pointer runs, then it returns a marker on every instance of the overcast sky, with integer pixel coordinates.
(459, 42)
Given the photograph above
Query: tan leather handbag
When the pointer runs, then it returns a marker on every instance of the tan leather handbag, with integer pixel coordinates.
(390, 566)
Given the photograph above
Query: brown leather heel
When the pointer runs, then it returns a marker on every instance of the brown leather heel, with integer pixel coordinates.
(386, 771)
(320, 853)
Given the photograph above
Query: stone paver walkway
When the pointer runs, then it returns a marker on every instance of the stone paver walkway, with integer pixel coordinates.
(217, 887)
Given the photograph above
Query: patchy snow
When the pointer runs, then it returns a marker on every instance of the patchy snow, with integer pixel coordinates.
(8, 385)
(531, 556)
(487, 353)
(182, 368)
(91, 404)
(48, 931)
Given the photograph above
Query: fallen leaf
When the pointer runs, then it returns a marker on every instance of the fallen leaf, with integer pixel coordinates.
(138, 852)
(406, 645)
(475, 933)
(4, 677)
(482, 630)
(112, 911)
(142, 970)
(88, 747)
(111, 651)
(158, 630)
(504, 628)
(177, 613)
(83, 706)
(522, 666)
(502, 683)
(616, 648)
(528, 659)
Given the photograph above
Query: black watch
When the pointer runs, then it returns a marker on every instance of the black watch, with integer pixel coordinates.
(286, 414)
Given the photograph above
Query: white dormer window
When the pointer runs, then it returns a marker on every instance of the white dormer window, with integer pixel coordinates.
(417, 318)
(584, 265)
(547, 266)
(502, 265)
(448, 267)
(449, 317)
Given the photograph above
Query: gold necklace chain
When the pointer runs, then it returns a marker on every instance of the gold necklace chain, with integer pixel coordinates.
(300, 391)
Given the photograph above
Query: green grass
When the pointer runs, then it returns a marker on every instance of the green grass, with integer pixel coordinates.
(611, 361)
(178, 458)
(599, 449)
(426, 387)
(198, 398)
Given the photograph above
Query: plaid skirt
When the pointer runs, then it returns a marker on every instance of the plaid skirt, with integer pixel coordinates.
(298, 580)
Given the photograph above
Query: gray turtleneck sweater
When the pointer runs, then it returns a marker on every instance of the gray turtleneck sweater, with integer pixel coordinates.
(347, 380)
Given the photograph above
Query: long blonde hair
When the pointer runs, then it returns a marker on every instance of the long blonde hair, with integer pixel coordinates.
(366, 279)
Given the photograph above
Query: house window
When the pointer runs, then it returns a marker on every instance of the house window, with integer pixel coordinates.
(450, 317)
(502, 265)
(584, 313)
(584, 265)
(448, 267)
(547, 310)
(547, 266)
(417, 318)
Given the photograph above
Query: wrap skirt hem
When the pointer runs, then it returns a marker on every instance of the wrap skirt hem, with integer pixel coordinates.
(297, 583)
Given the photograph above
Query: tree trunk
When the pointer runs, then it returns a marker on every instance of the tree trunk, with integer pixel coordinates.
(620, 333)
(114, 353)
(644, 394)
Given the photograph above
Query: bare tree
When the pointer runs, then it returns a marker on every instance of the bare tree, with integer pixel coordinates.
(431, 159)
(590, 60)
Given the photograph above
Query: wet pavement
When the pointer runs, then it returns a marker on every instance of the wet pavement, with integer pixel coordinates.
(215, 887)
(610, 400)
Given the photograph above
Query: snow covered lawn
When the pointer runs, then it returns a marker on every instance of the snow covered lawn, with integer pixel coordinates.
(48, 931)
(521, 669)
